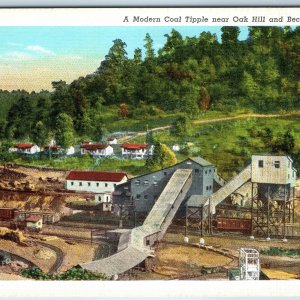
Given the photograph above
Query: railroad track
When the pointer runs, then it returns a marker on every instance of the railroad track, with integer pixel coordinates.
(59, 255)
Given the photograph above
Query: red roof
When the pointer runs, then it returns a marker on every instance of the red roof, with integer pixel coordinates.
(33, 218)
(134, 146)
(24, 146)
(93, 146)
(96, 176)
(52, 147)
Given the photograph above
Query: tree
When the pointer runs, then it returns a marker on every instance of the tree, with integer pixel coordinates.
(284, 144)
(64, 134)
(40, 135)
(181, 126)
(150, 55)
(162, 157)
(123, 110)
(204, 99)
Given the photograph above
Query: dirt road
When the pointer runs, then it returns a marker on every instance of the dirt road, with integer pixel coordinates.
(208, 121)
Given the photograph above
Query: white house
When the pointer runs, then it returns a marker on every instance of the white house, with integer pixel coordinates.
(136, 151)
(58, 149)
(70, 150)
(105, 199)
(27, 148)
(112, 141)
(92, 181)
(97, 150)
(34, 222)
(175, 148)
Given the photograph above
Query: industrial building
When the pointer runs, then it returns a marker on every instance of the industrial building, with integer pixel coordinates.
(194, 185)
(140, 193)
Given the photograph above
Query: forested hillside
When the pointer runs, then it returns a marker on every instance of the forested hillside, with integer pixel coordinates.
(188, 75)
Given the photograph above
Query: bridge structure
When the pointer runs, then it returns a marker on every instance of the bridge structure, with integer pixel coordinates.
(134, 245)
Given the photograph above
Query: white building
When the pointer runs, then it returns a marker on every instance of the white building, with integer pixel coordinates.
(97, 150)
(70, 150)
(273, 169)
(26, 148)
(34, 222)
(105, 199)
(136, 151)
(112, 141)
(96, 182)
(175, 148)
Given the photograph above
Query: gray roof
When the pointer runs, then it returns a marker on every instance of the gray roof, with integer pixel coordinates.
(197, 200)
(118, 263)
(201, 161)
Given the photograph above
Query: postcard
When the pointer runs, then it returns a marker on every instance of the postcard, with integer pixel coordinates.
(149, 152)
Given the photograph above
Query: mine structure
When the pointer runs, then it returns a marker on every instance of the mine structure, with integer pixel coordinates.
(193, 189)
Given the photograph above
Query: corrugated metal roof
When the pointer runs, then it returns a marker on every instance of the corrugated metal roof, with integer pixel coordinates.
(96, 176)
(197, 200)
(201, 161)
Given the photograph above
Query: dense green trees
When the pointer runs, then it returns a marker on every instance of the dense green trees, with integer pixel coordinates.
(162, 157)
(187, 74)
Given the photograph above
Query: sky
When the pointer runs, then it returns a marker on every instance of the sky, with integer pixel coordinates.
(32, 57)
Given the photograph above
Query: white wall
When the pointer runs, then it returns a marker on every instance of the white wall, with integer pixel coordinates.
(93, 186)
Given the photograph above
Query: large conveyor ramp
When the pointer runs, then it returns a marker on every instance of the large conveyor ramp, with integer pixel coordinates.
(134, 246)
(230, 187)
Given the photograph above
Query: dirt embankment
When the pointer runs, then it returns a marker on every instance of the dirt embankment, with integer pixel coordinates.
(35, 189)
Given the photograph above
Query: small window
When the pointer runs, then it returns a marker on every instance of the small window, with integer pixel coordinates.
(207, 188)
(165, 173)
(72, 183)
(107, 198)
(99, 198)
(277, 164)
(206, 172)
(210, 187)
(97, 184)
(147, 242)
(260, 163)
(106, 184)
(196, 170)
(209, 170)
(138, 196)
(89, 184)
(80, 183)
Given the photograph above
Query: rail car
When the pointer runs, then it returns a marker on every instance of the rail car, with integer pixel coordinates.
(8, 214)
(232, 224)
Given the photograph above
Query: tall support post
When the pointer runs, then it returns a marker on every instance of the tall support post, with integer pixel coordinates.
(186, 220)
(284, 214)
(293, 209)
(251, 209)
(268, 213)
(209, 217)
(201, 215)
(134, 221)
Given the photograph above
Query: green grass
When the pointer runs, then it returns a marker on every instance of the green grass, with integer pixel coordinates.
(132, 167)
(228, 144)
